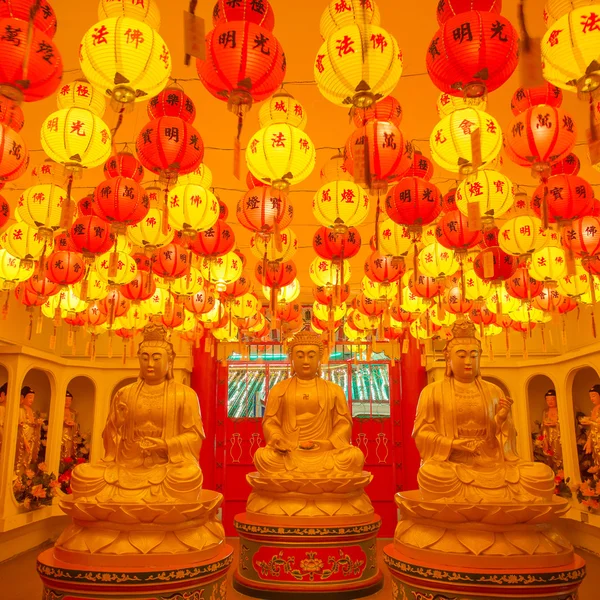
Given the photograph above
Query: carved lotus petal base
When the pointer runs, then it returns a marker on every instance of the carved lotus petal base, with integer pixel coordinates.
(106, 534)
(314, 485)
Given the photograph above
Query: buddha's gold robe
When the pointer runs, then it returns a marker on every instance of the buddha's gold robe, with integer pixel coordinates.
(302, 411)
(449, 410)
(130, 472)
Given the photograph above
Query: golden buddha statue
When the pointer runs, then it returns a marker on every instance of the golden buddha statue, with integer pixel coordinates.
(550, 432)
(592, 445)
(149, 480)
(478, 503)
(3, 392)
(70, 428)
(307, 428)
(28, 436)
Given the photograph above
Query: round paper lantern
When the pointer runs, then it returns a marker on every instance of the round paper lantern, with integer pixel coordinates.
(265, 249)
(81, 94)
(394, 239)
(387, 109)
(447, 104)
(239, 287)
(569, 165)
(124, 164)
(341, 204)
(522, 236)
(76, 137)
(64, 267)
(84, 206)
(44, 18)
(116, 267)
(383, 269)
(450, 140)
(200, 303)
(349, 12)
(378, 291)
(91, 288)
(466, 42)
(421, 167)
(286, 294)
(172, 102)
(14, 157)
(476, 288)
(413, 201)
(335, 170)
(170, 261)
(540, 136)
(23, 241)
(325, 294)
(582, 236)
(28, 299)
(188, 285)
(452, 232)
(217, 240)
(493, 264)
(358, 65)
(259, 13)
(169, 146)
(452, 8)
(244, 306)
(150, 233)
(575, 285)
(40, 206)
(282, 108)
(281, 155)
(455, 303)
(13, 270)
(11, 114)
(140, 10)
(548, 264)
(275, 274)
(192, 208)
(331, 245)
(449, 201)
(261, 209)
(490, 190)
(328, 273)
(383, 145)
(568, 197)
(125, 58)
(201, 176)
(437, 261)
(501, 302)
(244, 63)
(569, 51)
(91, 235)
(525, 98)
(365, 305)
(120, 201)
(30, 69)
(222, 270)
(522, 285)
(422, 285)
(413, 303)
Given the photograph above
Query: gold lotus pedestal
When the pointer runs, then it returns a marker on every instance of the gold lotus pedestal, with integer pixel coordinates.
(172, 551)
(312, 536)
(448, 550)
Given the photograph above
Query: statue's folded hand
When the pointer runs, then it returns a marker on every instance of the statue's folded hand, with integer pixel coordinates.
(464, 445)
(279, 443)
(151, 443)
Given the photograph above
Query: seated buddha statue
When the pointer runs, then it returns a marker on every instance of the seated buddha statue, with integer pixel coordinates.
(307, 423)
(466, 438)
(152, 437)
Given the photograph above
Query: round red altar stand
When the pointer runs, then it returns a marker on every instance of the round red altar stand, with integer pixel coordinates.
(199, 580)
(293, 558)
(427, 580)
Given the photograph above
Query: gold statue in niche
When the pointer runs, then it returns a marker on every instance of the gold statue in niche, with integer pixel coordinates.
(309, 467)
(550, 432)
(29, 432)
(145, 497)
(3, 392)
(592, 445)
(70, 428)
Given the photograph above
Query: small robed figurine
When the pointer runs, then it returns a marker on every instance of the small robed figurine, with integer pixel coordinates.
(28, 436)
(550, 431)
(70, 428)
(592, 446)
(3, 392)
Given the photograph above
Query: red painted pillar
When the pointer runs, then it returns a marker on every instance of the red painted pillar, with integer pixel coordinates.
(413, 378)
(204, 382)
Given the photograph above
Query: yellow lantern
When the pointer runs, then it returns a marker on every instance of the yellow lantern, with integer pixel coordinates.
(244, 306)
(135, 318)
(412, 303)
(570, 48)
(259, 325)
(555, 9)
(229, 333)
(364, 322)
(282, 107)
(492, 330)
(222, 270)
(358, 65)
(521, 236)
(189, 324)
(82, 94)
(395, 240)
(202, 177)
(490, 190)
(214, 315)
(69, 302)
(447, 319)
(264, 248)
(526, 313)
(50, 307)
(476, 288)
(501, 302)
(447, 104)
(23, 242)
(589, 298)
(378, 291)
(13, 270)
(156, 305)
(575, 285)
(334, 170)
(328, 273)
(349, 12)
(126, 58)
(322, 312)
(285, 295)
(76, 137)
(352, 334)
(192, 208)
(97, 288)
(437, 261)
(144, 10)
(116, 268)
(40, 206)
(341, 204)
(50, 172)
(548, 264)
(281, 155)
(450, 140)
(149, 233)
(188, 285)
(419, 331)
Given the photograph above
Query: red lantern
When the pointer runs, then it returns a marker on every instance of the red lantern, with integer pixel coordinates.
(120, 200)
(85, 207)
(32, 68)
(262, 209)
(115, 304)
(62, 241)
(41, 286)
(367, 306)
(324, 295)
(288, 312)
(540, 136)
(4, 211)
(522, 286)
(452, 232)
(200, 303)
(464, 45)
(27, 298)
(482, 316)
(172, 102)
(141, 288)
(223, 211)
(216, 241)
(124, 164)
(175, 318)
(75, 319)
(400, 314)
(548, 299)
(421, 167)
(237, 288)
(11, 114)
(238, 69)
(169, 146)
(91, 236)
(525, 98)
(259, 13)
(92, 316)
(170, 261)
(449, 200)
(451, 8)
(582, 236)
(388, 109)
(523, 327)
(424, 286)
(383, 269)
(333, 246)
(490, 237)
(65, 268)
(14, 157)
(569, 197)
(252, 182)
(569, 165)
(493, 264)
(566, 305)
(455, 303)
(276, 274)
(413, 201)
(44, 18)
(143, 262)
